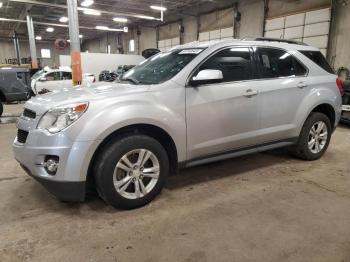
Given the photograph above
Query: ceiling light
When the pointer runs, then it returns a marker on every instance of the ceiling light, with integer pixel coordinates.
(146, 17)
(50, 29)
(120, 19)
(91, 12)
(100, 27)
(157, 7)
(38, 37)
(0, 4)
(106, 28)
(87, 3)
(63, 19)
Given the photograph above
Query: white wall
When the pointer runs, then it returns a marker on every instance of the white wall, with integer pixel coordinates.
(94, 62)
(7, 50)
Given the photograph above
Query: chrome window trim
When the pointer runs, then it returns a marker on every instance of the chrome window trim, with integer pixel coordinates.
(253, 56)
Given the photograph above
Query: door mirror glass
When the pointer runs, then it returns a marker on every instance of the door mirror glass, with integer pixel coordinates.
(208, 76)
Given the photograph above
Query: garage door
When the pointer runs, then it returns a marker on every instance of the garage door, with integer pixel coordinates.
(218, 34)
(167, 44)
(310, 27)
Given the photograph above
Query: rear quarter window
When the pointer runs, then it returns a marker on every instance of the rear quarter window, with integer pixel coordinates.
(318, 58)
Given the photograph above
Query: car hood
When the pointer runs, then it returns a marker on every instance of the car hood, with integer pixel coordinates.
(41, 103)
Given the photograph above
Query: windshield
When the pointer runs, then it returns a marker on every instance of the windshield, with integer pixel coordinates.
(38, 74)
(160, 67)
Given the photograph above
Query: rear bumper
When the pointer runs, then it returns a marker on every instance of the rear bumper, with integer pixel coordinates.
(65, 191)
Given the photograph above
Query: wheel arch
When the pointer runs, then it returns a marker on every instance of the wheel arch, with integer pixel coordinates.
(328, 110)
(2, 97)
(153, 131)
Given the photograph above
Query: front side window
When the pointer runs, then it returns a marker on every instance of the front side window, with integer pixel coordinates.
(276, 63)
(160, 67)
(234, 63)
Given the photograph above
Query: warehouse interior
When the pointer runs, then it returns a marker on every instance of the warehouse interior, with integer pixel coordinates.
(268, 206)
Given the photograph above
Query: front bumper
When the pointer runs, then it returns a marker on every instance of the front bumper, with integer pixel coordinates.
(68, 183)
(65, 191)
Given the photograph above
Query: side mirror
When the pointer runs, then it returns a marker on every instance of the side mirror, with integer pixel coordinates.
(43, 79)
(207, 76)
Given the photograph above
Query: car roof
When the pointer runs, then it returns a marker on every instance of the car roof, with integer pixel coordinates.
(292, 46)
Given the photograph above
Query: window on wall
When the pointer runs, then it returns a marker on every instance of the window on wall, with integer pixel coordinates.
(132, 45)
(235, 64)
(278, 63)
(45, 53)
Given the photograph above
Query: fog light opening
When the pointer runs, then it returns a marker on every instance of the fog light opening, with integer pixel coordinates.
(51, 164)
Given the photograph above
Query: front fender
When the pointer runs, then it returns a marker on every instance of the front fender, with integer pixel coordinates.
(101, 121)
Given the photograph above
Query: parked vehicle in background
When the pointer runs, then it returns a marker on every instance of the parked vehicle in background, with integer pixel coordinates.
(345, 116)
(191, 105)
(48, 80)
(147, 53)
(14, 85)
(107, 76)
(123, 69)
(103, 76)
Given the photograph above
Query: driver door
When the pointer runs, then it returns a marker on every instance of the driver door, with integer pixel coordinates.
(223, 116)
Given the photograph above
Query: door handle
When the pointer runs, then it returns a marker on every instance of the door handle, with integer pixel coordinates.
(250, 93)
(302, 85)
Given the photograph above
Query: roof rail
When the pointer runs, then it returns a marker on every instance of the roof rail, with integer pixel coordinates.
(267, 39)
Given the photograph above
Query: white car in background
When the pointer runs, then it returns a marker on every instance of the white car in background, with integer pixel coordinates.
(48, 80)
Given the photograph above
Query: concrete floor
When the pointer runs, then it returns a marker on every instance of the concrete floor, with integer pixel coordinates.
(264, 207)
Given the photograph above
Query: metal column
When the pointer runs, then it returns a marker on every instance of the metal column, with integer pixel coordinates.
(74, 41)
(32, 42)
(16, 43)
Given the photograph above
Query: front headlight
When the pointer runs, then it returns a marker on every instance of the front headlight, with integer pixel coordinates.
(58, 118)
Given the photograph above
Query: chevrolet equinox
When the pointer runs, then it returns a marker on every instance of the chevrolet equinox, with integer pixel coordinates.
(194, 104)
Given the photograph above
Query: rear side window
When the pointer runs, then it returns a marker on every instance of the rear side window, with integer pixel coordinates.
(319, 59)
(235, 64)
(278, 63)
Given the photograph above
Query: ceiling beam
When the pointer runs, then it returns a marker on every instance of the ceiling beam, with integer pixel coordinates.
(60, 25)
(34, 2)
(21, 16)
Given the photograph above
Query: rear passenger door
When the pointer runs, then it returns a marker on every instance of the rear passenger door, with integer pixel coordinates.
(282, 88)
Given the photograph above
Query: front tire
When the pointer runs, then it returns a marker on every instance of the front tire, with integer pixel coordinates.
(314, 137)
(131, 171)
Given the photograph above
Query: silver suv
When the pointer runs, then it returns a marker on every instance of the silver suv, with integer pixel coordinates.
(192, 105)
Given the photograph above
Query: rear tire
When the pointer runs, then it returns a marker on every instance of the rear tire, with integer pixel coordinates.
(314, 137)
(131, 171)
(1, 109)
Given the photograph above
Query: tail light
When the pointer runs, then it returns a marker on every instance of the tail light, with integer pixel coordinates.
(340, 86)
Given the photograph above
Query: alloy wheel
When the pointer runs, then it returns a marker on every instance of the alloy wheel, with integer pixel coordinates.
(318, 137)
(136, 174)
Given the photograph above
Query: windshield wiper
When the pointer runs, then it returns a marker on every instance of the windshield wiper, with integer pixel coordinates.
(132, 80)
